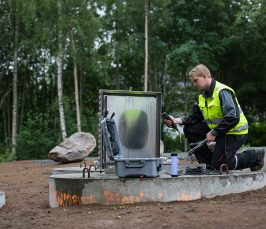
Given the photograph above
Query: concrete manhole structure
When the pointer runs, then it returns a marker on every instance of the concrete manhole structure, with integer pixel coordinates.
(107, 189)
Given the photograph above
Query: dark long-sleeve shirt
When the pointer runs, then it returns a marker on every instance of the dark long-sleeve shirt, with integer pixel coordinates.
(231, 114)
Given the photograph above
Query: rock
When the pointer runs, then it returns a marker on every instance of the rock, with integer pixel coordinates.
(75, 148)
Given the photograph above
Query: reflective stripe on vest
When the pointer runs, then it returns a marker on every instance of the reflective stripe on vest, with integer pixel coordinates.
(218, 120)
(212, 111)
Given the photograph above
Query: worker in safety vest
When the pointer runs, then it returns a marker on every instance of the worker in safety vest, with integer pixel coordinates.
(218, 117)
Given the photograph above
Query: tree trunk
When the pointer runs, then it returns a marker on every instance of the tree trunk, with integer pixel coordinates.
(59, 74)
(4, 96)
(5, 125)
(117, 50)
(15, 100)
(9, 125)
(75, 74)
(60, 92)
(117, 72)
(22, 107)
(80, 89)
(146, 47)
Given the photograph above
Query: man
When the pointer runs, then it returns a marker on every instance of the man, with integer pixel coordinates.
(218, 117)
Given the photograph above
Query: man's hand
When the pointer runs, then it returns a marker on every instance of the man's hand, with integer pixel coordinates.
(171, 122)
(210, 137)
(178, 121)
(175, 120)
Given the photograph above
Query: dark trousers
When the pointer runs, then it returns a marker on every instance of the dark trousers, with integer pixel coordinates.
(225, 148)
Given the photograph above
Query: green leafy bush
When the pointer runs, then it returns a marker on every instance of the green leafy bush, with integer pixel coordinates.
(5, 154)
(38, 135)
(257, 134)
(36, 139)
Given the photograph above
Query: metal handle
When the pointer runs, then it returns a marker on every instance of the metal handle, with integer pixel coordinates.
(200, 144)
(140, 165)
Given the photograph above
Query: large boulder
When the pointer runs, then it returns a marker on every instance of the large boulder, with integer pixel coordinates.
(75, 148)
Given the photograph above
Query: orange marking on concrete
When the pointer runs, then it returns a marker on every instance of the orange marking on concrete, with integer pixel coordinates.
(115, 198)
(160, 195)
(66, 199)
(90, 199)
(111, 198)
(59, 198)
(125, 200)
(72, 200)
(78, 200)
(131, 199)
(108, 197)
(93, 199)
(64, 196)
(184, 196)
(187, 197)
(118, 198)
(85, 200)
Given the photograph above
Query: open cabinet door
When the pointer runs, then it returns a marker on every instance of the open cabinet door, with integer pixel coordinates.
(137, 116)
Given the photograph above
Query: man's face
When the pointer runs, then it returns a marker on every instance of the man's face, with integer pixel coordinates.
(200, 82)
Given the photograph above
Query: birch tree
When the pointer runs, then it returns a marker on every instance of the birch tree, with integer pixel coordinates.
(59, 61)
(15, 19)
(15, 79)
(75, 75)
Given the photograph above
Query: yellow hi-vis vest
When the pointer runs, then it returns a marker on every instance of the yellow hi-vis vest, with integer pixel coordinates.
(212, 111)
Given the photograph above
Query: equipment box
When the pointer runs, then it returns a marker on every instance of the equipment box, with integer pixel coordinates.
(138, 167)
(127, 167)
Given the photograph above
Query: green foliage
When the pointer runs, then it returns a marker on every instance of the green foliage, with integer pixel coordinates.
(257, 134)
(243, 65)
(5, 154)
(35, 139)
(171, 142)
(105, 39)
